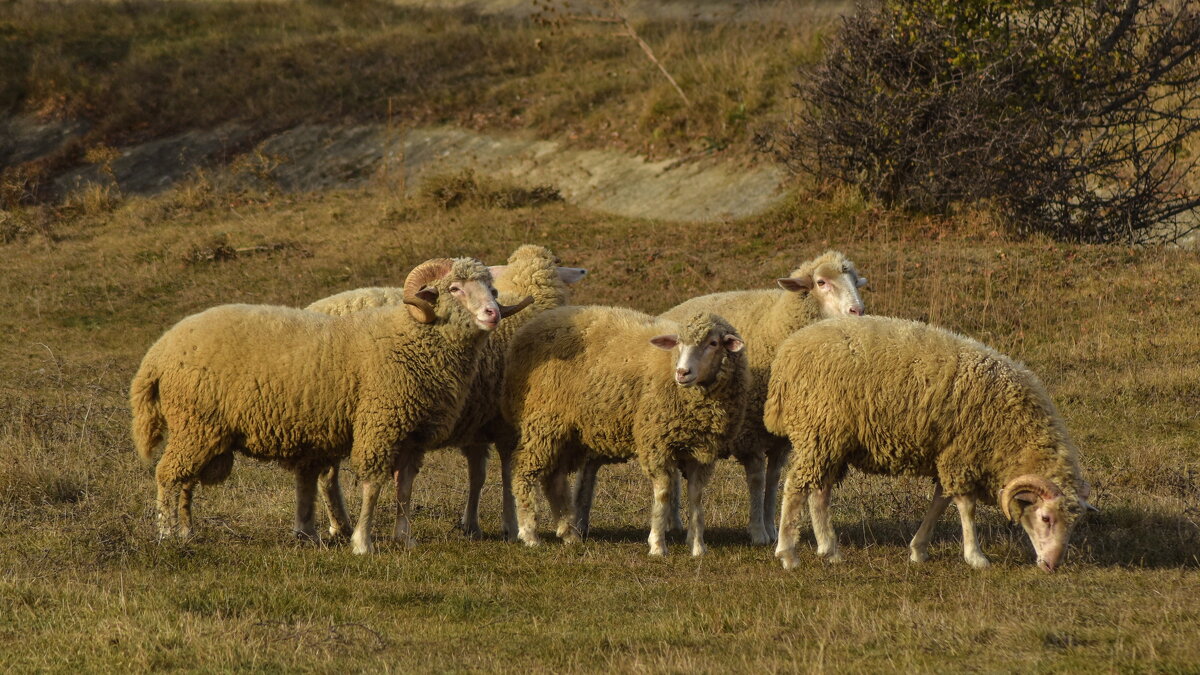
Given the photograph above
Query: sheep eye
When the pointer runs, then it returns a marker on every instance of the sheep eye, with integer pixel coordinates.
(820, 282)
(495, 293)
(1045, 519)
(456, 289)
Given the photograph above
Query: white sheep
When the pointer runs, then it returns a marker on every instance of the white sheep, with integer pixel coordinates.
(823, 287)
(532, 272)
(305, 389)
(900, 397)
(604, 380)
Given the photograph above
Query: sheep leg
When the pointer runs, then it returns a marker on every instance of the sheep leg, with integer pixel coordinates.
(558, 493)
(508, 526)
(660, 480)
(919, 546)
(776, 460)
(335, 507)
(404, 475)
(168, 509)
(971, 551)
(676, 493)
(361, 539)
(477, 456)
(538, 456)
(697, 477)
(756, 478)
(818, 506)
(789, 524)
(305, 525)
(185, 509)
(585, 490)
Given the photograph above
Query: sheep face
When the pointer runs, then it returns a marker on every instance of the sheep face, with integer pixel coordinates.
(529, 264)
(464, 286)
(832, 281)
(705, 341)
(1048, 524)
(1046, 515)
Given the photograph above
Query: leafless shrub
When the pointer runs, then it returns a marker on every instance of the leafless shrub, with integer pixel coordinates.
(451, 190)
(1074, 117)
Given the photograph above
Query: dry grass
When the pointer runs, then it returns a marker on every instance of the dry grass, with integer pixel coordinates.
(1111, 330)
(91, 283)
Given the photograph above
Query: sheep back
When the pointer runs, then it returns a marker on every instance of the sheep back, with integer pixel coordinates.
(918, 400)
(592, 370)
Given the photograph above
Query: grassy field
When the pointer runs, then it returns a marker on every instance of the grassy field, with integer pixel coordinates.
(89, 285)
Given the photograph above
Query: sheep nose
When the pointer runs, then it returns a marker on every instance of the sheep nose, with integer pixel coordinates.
(491, 313)
(855, 310)
(681, 373)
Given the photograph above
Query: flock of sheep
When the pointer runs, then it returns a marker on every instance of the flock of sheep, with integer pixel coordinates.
(474, 357)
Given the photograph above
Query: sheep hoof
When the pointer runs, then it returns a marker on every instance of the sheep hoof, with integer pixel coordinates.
(788, 558)
(658, 550)
(529, 538)
(336, 532)
(699, 550)
(472, 531)
(361, 545)
(834, 558)
(917, 556)
(760, 538)
(979, 562)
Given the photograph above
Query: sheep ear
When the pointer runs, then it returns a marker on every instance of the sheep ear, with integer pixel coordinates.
(733, 343)
(795, 284)
(666, 342)
(1087, 506)
(570, 275)
(498, 271)
(862, 281)
(428, 294)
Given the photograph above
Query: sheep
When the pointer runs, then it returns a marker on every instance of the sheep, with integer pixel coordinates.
(531, 271)
(900, 397)
(825, 286)
(584, 380)
(305, 389)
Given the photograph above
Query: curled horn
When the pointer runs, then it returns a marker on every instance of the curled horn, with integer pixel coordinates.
(420, 308)
(509, 310)
(1027, 483)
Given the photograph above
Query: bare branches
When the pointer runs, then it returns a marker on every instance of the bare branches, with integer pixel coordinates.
(1075, 117)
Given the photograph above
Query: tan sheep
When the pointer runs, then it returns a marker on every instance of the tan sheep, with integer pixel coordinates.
(532, 271)
(618, 384)
(305, 389)
(825, 286)
(900, 397)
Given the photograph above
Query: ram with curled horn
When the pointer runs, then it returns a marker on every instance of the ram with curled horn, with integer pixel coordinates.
(379, 386)
(531, 281)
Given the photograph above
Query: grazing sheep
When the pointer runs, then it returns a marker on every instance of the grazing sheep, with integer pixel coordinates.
(900, 397)
(305, 389)
(825, 286)
(532, 271)
(589, 380)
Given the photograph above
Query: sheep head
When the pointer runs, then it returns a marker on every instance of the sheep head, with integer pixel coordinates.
(531, 266)
(1045, 513)
(703, 344)
(433, 285)
(832, 281)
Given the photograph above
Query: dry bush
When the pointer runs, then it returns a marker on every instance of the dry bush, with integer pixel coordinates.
(1074, 117)
(450, 190)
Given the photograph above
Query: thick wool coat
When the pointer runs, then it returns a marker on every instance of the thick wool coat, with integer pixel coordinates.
(590, 375)
(765, 318)
(302, 388)
(901, 397)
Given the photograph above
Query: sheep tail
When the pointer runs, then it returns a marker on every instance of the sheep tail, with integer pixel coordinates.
(148, 422)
